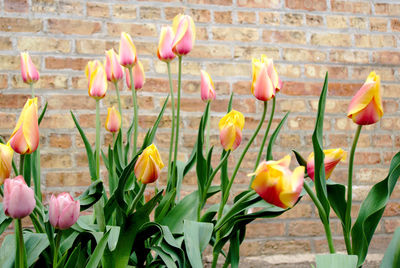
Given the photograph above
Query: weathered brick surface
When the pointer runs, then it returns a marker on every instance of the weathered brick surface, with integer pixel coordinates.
(305, 38)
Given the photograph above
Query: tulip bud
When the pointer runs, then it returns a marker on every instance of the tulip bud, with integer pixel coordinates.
(366, 106)
(6, 157)
(266, 81)
(138, 76)
(113, 68)
(28, 70)
(97, 80)
(207, 87)
(332, 158)
(127, 51)
(164, 51)
(25, 137)
(230, 127)
(113, 120)
(185, 34)
(63, 211)
(19, 200)
(148, 165)
(277, 184)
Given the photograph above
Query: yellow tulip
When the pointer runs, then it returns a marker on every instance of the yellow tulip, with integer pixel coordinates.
(230, 127)
(148, 165)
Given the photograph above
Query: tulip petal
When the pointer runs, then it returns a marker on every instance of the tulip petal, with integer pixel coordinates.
(18, 142)
(30, 128)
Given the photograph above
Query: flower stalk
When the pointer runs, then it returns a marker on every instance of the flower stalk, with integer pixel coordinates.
(135, 112)
(171, 144)
(178, 109)
(20, 259)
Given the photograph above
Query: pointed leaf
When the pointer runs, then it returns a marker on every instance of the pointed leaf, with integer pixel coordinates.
(336, 260)
(98, 252)
(274, 136)
(42, 113)
(196, 236)
(392, 254)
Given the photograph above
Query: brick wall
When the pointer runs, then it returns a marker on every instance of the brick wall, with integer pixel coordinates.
(305, 38)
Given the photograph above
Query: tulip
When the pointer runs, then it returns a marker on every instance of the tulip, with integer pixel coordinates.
(366, 106)
(127, 51)
(332, 158)
(207, 87)
(97, 80)
(25, 137)
(185, 34)
(28, 70)
(113, 120)
(6, 157)
(19, 199)
(230, 127)
(138, 76)
(63, 211)
(277, 184)
(266, 81)
(113, 68)
(148, 165)
(164, 51)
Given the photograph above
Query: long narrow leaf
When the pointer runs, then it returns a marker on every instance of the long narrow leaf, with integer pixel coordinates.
(274, 136)
(392, 254)
(98, 252)
(42, 113)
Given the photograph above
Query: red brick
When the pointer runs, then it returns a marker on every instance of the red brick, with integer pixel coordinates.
(66, 26)
(134, 30)
(353, 7)
(211, 2)
(224, 17)
(20, 25)
(77, 64)
(259, 4)
(16, 6)
(387, 57)
(314, 5)
(292, 37)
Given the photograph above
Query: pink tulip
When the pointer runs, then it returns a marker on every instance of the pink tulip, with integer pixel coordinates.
(19, 199)
(138, 76)
(113, 68)
(113, 120)
(207, 87)
(185, 34)
(230, 130)
(63, 211)
(97, 80)
(28, 70)
(127, 51)
(266, 81)
(6, 157)
(332, 158)
(164, 51)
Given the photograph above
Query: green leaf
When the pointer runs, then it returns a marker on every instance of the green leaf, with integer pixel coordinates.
(196, 237)
(274, 136)
(42, 113)
(89, 151)
(169, 262)
(319, 177)
(68, 241)
(164, 206)
(392, 254)
(73, 258)
(372, 209)
(337, 199)
(4, 220)
(98, 252)
(300, 159)
(336, 260)
(27, 169)
(92, 194)
(113, 239)
(230, 102)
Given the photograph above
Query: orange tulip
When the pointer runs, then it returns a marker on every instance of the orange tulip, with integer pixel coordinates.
(185, 34)
(97, 79)
(277, 184)
(207, 87)
(332, 158)
(6, 156)
(28, 70)
(127, 51)
(230, 127)
(113, 120)
(148, 165)
(25, 137)
(113, 68)
(366, 106)
(138, 76)
(164, 51)
(266, 81)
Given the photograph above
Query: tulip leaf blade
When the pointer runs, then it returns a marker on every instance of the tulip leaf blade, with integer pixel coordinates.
(274, 136)
(98, 252)
(337, 199)
(392, 254)
(372, 209)
(92, 194)
(42, 113)
(73, 258)
(224, 178)
(196, 237)
(4, 220)
(300, 160)
(336, 260)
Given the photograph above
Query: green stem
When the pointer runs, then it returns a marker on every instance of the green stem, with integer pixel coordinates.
(20, 259)
(178, 109)
(135, 113)
(21, 164)
(32, 90)
(215, 259)
(98, 208)
(323, 216)
(137, 198)
(208, 133)
(120, 112)
(350, 191)
(171, 143)
(56, 249)
(36, 161)
(266, 134)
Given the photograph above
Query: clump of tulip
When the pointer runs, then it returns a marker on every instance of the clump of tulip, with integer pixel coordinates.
(63, 211)
(19, 199)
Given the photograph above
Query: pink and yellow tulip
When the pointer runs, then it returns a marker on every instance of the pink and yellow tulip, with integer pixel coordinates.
(63, 211)
(113, 120)
(97, 80)
(28, 70)
(366, 106)
(19, 200)
(25, 137)
(207, 87)
(266, 81)
(332, 158)
(6, 157)
(230, 127)
(127, 51)
(113, 68)
(148, 165)
(164, 51)
(185, 34)
(277, 184)
(139, 76)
